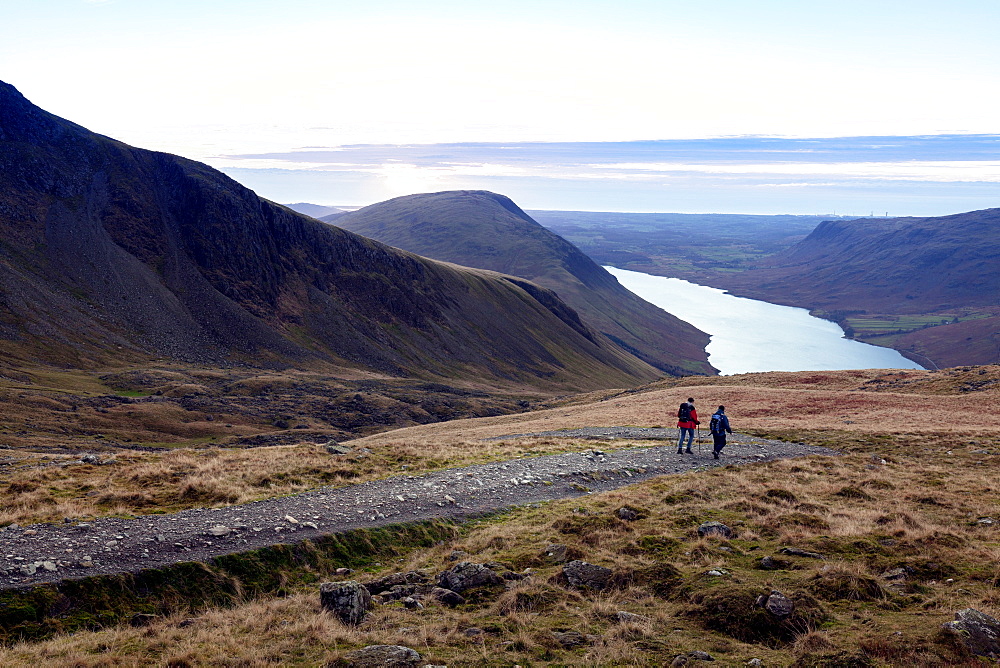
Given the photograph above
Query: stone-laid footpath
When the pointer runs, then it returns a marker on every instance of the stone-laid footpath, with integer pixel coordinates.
(44, 553)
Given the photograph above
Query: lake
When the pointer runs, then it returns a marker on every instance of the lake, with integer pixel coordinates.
(750, 335)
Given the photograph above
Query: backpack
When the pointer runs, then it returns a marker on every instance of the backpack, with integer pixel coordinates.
(684, 412)
(715, 426)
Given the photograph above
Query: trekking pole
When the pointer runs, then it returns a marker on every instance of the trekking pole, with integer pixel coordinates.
(698, 427)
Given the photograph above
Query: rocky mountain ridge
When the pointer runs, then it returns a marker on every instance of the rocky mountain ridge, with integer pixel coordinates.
(113, 254)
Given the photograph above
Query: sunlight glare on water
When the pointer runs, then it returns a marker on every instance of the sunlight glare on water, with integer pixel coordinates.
(750, 335)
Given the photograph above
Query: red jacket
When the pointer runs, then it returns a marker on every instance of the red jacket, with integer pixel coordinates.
(690, 424)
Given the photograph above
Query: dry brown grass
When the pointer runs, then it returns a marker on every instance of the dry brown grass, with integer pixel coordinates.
(918, 510)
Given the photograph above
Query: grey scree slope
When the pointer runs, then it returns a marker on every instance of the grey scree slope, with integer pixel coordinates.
(53, 552)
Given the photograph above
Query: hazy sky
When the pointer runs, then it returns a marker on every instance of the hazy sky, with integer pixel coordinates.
(214, 79)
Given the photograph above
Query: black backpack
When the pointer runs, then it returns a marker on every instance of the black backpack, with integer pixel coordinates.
(684, 412)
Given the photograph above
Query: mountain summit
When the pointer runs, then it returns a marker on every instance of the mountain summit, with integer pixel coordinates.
(482, 229)
(112, 253)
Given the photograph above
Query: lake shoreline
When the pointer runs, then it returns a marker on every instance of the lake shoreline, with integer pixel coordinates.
(750, 335)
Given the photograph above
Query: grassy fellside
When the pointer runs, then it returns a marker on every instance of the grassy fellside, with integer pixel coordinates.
(186, 588)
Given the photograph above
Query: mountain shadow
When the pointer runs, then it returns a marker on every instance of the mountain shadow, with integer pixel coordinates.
(482, 229)
(114, 254)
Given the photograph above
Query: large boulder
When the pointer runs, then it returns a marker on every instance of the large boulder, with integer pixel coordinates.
(348, 600)
(980, 632)
(466, 575)
(583, 575)
(384, 656)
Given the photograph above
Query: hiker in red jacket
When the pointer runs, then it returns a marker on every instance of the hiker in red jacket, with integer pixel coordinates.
(687, 419)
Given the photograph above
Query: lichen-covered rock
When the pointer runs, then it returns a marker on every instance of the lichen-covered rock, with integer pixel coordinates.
(979, 632)
(387, 582)
(629, 514)
(715, 528)
(554, 553)
(349, 600)
(581, 574)
(779, 605)
(466, 575)
(384, 656)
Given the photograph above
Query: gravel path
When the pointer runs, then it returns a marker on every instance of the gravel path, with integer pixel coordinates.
(53, 552)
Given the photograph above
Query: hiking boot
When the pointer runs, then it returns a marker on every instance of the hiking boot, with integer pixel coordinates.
(688, 451)
(680, 452)
(715, 454)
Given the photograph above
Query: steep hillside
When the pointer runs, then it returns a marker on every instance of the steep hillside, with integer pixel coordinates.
(482, 229)
(901, 265)
(113, 253)
(929, 287)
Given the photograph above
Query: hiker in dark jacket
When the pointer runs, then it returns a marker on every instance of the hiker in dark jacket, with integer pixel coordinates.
(720, 427)
(687, 419)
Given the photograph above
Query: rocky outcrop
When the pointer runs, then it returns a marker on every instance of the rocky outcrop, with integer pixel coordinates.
(348, 601)
(384, 656)
(583, 575)
(979, 632)
(466, 575)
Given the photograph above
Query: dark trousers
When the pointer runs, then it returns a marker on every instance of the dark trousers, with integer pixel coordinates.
(719, 441)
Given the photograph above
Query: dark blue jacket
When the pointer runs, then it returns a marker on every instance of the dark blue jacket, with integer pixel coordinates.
(723, 423)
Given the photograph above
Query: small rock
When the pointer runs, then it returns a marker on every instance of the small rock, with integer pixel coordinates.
(291, 520)
(447, 596)
(714, 528)
(679, 660)
(50, 566)
(717, 573)
(624, 617)
(978, 631)
(219, 531)
(411, 603)
(986, 521)
(555, 553)
(30, 532)
(772, 564)
(349, 601)
(628, 514)
(28, 569)
(343, 571)
(779, 605)
(796, 552)
(698, 655)
(334, 448)
(569, 639)
(473, 631)
(456, 555)
(583, 575)
(755, 663)
(90, 459)
(384, 656)
(87, 562)
(895, 575)
(141, 619)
